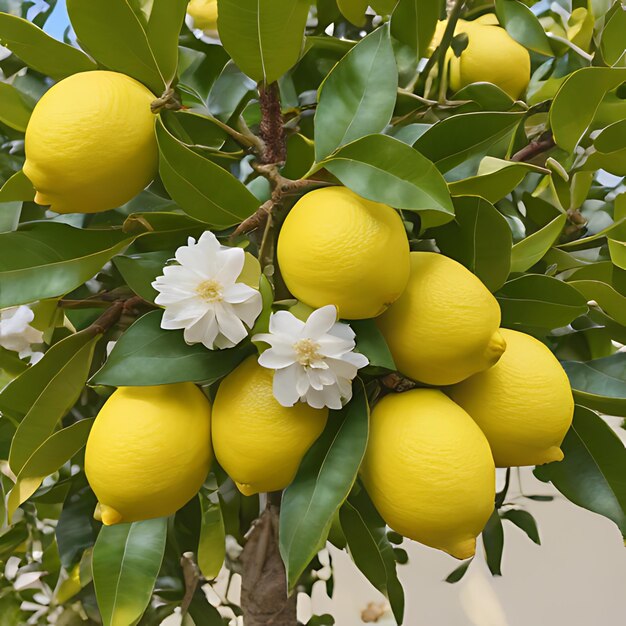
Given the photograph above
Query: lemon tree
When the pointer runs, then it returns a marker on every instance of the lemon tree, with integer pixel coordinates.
(280, 275)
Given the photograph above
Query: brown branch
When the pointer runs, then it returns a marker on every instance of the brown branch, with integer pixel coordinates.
(272, 129)
(398, 383)
(113, 314)
(535, 148)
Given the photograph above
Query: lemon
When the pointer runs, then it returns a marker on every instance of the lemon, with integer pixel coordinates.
(257, 441)
(492, 56)
(90, 143)
(444, 328)
(149, 451)
(524, 404)
(429, 470)
(204, 14)
(338, 248)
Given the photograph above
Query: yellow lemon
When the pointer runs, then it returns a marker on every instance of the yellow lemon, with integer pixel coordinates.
(444, 328)
(492, 56)
(338, 248)
(429, 470)
(204, 14)
(149, 451)
(523, 404)
(257, 441)
(90, 143)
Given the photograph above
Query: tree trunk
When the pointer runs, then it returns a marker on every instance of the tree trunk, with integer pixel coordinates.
(264, 599)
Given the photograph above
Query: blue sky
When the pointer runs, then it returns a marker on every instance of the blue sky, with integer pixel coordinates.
(58, 21)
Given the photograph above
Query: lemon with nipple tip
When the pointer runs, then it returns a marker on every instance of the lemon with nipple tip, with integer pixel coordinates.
(149, 451)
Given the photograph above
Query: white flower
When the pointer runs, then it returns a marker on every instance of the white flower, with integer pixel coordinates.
(202, 295)
(17, 334)
(314, 361)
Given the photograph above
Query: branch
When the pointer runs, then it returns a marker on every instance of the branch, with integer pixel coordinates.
(446, 40)
(113, 314)
(271, 129)
(534, 148)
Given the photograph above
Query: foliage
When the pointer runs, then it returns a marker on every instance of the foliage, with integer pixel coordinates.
(529, 195)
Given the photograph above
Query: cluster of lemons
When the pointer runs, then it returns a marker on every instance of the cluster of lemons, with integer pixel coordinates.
(486, 396)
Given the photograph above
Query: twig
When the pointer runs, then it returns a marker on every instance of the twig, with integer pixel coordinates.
(534, 148)
(446, 40)
(113, 314)
(271, 128)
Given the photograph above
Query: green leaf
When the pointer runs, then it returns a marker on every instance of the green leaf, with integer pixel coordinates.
(479, 238)
(164, 24)
(15, 110)
(610, 300)
(140, 270)
(452, 141)
(413, 23)
(211, 546)
(18, 397)
(593, 472)
(612, 42)
(117, 37)
(383, 169)
(577, 101)
(203, 612)
(54, 452)
(40, 51)
(539, 301)
(371, 343)
(370, 549)
(323, 482)
(58, 396)
(17, 189)
(49, 259)
(495, 179)
(493, 542)
(148, 355)
(600, 384)
(126, 562)
(534, 247)
(358, 96)
(263, 37)
(203, 189)
(10, 216)
(524, 521)
(522, 24)
(353, 10)
(10, 538)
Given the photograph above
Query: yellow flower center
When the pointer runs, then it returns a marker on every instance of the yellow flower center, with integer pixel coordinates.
(307, 351)
(210, 290)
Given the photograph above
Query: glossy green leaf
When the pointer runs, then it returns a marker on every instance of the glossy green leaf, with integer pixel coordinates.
(612, 42)
(353, 10)
(383, 169)
(451, 141)
(533, 248)
(522, 24)
(358, 96)
(17, 189)
(617, 248)
(524, 521)
(413, 23)
(140, 270)
(323, 482)
(600, 384)
(10, 216)
(98, 23)
(371, 343)
(479, 238)
(370, 549)
(211, 546)
(577, 101)
(456, 575)
(610, 300)
(18, 397)
(148, 355)
(495, 179)
(203, 189)
(263, 37)
(493, 542)
(593, 472)
(539, 301)
(48, 407)
(46, 459)
(126, 562)
(15, 110)
(49, 259)
(40, 51)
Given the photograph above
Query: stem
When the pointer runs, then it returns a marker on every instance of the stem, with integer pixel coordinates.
(113, 314)
(272, 125)
(446, 40)
(534, 148)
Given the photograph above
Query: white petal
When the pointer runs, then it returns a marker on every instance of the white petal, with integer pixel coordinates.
(230, 263)
(320, 322)
(274, 360)
(286, 323)
(250, 310)
(315, 399)
(343, 331)
(343, 368)
(356, 358)
(302, 380)
(334, 346)
(204, 330)
(229, 324)
(284, 386)
(238, 292)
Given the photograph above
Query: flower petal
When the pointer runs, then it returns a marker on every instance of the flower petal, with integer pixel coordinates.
(273, 359)
(229, 324)
(320, 322)
(284, 386)
(286, 323)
